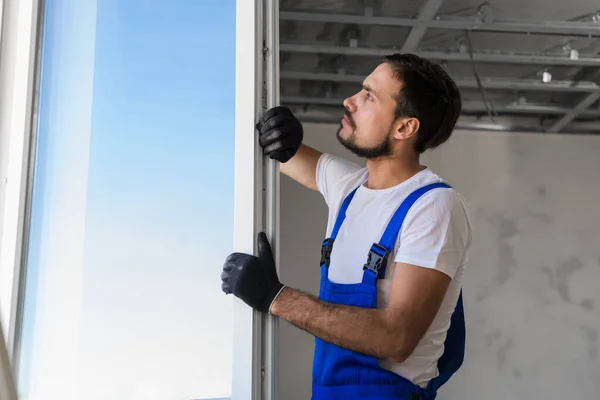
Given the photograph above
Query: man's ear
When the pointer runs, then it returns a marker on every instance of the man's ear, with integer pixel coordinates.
(406, 128)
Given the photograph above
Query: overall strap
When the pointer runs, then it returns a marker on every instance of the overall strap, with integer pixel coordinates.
(454, 348)
(377, 258)
(328, 243)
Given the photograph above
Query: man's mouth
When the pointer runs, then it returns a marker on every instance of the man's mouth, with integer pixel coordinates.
(347, 120)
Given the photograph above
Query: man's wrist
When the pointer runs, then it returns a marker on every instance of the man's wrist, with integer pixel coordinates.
(277, 300)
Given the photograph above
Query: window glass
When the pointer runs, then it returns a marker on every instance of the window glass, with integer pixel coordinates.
(132, 206)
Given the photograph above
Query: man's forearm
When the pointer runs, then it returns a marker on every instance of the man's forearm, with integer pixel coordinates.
(303, 167)
(363, 330)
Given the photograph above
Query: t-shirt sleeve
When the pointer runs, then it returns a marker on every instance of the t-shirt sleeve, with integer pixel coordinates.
(331, 171)
(436, 232)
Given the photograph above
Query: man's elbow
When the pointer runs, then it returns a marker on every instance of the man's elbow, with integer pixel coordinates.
(400, 347)
(400, 352)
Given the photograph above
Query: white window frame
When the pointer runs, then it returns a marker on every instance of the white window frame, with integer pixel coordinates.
(18, 77)
(1, 11)
(257, 61)
(256, 177)
(271, 187)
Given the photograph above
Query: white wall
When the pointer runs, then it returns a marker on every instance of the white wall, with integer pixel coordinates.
(532, 287)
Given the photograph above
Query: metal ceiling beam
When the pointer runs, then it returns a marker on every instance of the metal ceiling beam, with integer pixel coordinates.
(460, 124)
(465, 83)
(500, 123)
(580, 109)
(467, 106)
(428, 11)
(563, 28)
(521, 124)
(480, 56)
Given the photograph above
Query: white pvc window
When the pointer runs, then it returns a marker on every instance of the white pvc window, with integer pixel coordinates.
(17, 81)
(133, 171)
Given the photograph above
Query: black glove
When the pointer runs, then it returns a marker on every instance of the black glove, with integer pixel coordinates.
(252, 279)
(281, 133)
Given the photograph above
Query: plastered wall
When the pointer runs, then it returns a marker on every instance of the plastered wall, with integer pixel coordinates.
(532, 286)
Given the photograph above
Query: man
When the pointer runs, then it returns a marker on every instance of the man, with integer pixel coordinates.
(389, 318)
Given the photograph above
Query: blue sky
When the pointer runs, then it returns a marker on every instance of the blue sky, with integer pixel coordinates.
(133, 202)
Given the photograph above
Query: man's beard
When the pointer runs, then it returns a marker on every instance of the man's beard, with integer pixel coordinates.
(381, 150)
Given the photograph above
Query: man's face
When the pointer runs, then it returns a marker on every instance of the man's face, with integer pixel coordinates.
(366, 129)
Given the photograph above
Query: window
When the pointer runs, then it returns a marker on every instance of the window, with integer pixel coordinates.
(143, 151)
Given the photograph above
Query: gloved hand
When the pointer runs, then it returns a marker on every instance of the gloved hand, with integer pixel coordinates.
(252, 279)
(281, 134)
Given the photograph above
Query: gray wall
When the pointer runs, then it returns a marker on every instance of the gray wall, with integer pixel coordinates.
(532, 285)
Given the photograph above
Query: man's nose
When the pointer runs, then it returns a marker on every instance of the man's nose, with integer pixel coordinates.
(350, 104)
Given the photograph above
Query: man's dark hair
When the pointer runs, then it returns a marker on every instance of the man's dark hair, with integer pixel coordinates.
(428, 94)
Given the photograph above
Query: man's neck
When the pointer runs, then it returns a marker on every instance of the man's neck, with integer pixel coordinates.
(387, 172)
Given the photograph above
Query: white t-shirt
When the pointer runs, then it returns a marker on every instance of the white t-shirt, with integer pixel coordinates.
(435, 234)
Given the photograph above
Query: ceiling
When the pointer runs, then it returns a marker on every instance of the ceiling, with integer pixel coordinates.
(521, 65)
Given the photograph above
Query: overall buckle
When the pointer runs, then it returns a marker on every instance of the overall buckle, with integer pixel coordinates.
(377, 259)
(326, 251)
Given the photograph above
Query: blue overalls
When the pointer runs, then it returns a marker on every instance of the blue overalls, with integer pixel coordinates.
(339, 373)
